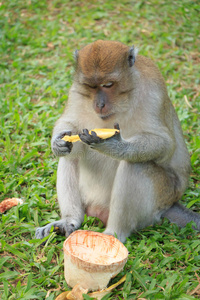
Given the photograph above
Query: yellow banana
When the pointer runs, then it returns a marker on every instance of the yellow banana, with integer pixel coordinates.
(103, 133)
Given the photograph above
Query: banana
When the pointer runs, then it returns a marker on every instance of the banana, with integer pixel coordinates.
(103, 133)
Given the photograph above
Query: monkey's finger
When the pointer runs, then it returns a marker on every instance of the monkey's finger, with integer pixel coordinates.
(93, 133)
(65, 133)
(85, 138)
(89, 137)
(85, 131)
(116, 126)
(95, 137)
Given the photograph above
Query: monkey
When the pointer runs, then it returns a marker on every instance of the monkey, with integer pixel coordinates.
(134, 178)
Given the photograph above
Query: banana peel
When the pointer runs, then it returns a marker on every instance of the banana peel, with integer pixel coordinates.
(77, 292)
(103, 133)
(63, 296)
(100, 294)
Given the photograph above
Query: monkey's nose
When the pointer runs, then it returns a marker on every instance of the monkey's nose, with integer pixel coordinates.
(101, 105)
(101, 108)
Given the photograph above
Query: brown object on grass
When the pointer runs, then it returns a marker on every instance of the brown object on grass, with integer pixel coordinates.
(103, 133)
(91, 259)
(77, 292)
(63, 296)
(9, 203)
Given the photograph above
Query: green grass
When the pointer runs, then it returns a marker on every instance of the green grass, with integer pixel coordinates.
(37, 40)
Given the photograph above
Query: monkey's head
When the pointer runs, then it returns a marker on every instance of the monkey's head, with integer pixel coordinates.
(103, 72)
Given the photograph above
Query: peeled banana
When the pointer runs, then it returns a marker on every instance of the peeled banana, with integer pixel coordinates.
(103, 133)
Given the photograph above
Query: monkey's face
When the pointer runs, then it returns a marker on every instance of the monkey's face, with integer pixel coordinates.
(103, 75)
(102, 96)
(107, 95)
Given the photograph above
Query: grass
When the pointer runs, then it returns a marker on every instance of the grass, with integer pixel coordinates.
(36, 60)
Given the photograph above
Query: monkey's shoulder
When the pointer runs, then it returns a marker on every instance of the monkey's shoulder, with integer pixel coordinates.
(148, 70)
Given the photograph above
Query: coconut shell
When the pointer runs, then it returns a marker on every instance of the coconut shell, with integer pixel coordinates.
(91, 259)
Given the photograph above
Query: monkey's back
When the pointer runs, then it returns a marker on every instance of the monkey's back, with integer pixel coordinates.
(180, 160)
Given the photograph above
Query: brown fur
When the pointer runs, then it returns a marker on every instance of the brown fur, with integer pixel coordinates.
(101, 56)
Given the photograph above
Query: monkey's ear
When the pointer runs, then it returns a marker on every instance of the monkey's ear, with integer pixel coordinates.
(131, 57)
(76, 55)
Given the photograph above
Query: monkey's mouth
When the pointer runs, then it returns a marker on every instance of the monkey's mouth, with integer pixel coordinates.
(105, 117)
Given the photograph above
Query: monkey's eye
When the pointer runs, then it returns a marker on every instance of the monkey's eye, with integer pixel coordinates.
(90, 86)
(107, 84)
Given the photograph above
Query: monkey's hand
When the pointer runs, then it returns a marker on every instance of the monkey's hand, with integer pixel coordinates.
(97, 143)
(60, 147)
(88, 138)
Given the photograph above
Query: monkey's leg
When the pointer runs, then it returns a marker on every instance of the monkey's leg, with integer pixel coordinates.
(141, 193)
(71, 208)
(181, 215)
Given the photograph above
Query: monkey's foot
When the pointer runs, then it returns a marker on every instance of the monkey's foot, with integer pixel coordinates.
(120, 236)
(62, 227)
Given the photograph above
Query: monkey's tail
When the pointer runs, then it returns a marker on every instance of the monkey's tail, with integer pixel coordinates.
(181, 215)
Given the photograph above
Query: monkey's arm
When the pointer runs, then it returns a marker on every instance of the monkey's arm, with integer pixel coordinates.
(71, 207)
(64, 126)
(142, 147)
